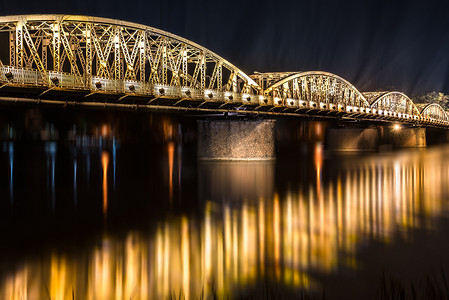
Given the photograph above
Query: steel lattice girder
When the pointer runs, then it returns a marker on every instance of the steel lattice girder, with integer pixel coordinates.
(396, 101)
(434, 111)
(317, 87)
(85, 47)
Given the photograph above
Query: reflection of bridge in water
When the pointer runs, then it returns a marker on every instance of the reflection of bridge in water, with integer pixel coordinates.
(90, 61)
(308, 230)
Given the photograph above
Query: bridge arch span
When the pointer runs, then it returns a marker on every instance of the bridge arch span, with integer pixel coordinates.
(434, 113)
(318, 87)
(106, 55)
(396, 102)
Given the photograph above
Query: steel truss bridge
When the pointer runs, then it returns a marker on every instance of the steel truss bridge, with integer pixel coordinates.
(97, 61)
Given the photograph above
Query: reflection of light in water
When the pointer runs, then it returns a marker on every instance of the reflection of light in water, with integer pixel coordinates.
(207, 242)
(104, 164)
(318, 155)
(105, 130)
(58, 289)
(168, 129)
(261, 236)
(276, 236)
(318, 130)
(237, 243)
(171, 155)
(185, 245)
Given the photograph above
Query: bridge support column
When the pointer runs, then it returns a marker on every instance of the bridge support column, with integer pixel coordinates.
(408, 138)
(236, 139)
(352, 139)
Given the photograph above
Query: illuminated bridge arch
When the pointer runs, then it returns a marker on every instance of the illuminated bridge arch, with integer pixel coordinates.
(106, 55)
(434, 113)
(326, 89)
(395, 103)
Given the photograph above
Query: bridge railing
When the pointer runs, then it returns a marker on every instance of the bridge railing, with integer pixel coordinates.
(31, 77)
(66, 80)
(189, 93)
(21, 76)
(142, 88)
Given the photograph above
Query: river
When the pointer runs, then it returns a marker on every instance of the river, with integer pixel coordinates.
(115, 205)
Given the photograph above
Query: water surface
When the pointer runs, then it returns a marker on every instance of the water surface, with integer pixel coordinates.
(115, 205)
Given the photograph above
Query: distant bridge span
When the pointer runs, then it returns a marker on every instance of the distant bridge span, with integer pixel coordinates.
(88, 61)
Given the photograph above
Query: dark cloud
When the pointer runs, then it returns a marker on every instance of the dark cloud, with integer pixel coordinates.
(374, 44)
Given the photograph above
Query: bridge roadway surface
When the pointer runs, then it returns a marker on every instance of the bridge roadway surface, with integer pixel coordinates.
(89, 61)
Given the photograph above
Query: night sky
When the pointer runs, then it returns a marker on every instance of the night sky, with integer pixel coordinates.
(376, 45)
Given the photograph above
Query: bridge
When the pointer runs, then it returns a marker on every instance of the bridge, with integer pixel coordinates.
(83, 60)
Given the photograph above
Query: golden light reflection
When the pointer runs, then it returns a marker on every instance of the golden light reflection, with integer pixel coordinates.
(318, 155)
(105, 130)
(286, 235)
(171, 155)
(104, 164)
(185, 257)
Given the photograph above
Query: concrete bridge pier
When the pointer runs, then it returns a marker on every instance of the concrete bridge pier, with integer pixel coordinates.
(408, 137)
(230, 139)
(375, 138)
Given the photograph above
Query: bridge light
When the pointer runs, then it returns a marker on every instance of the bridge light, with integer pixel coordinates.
(9, 76)
(98, 85)
(55, 80)
(396, 127)
(132, 88)
(229, 96)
